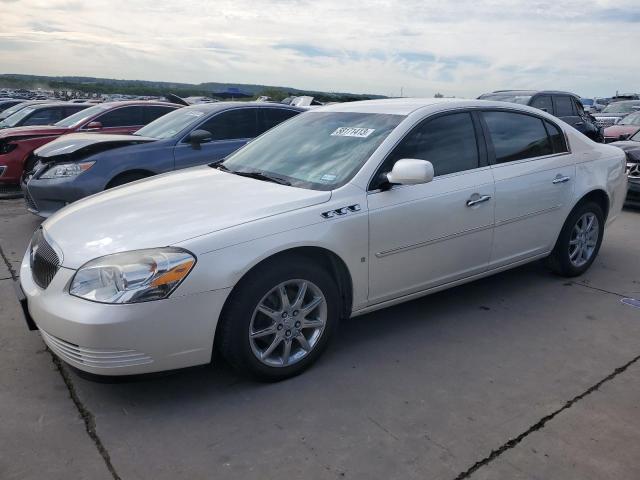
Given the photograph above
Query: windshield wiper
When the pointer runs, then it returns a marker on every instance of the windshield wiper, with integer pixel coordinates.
(260, 176)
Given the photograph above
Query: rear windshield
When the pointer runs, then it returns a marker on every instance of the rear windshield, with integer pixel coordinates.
(621, 107)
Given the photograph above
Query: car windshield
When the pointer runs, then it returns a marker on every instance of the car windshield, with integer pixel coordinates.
(171, 124)
(631, 119)
(317, 150)
(81, 116)
(586, 101)
(635, 137)
(621, 107)
(13, 120)
(507, 97)
(11, 110)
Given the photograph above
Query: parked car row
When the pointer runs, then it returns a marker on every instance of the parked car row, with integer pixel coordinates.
(335, 212)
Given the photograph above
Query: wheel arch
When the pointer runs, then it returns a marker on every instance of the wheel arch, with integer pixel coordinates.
(330, 260)
(598, 195)
(133, 171)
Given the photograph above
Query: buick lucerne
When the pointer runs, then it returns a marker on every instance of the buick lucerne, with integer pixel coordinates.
(337, 212)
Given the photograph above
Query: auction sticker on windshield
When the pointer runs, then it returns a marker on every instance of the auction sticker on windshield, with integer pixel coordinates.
(353, 132)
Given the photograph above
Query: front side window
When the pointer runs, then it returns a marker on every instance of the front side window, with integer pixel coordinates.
(517, 136)
(233, 124)
(122, 117)
(564, 106)
(317, 150)
(448, 142)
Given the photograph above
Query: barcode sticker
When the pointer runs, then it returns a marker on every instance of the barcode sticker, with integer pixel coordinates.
(357, 132)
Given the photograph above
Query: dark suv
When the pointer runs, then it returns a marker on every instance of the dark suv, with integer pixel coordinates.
(564, 105)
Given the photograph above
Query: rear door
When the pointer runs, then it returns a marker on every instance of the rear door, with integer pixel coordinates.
(230, 130)
(534, 175)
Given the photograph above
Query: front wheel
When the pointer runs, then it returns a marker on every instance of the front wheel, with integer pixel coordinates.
(579, 241)
(280, 319)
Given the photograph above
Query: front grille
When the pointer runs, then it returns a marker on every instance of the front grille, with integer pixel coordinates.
(44, 260)
(606, 121)
(30, 203)
(633, 170)
(11, 191)
(94, 357)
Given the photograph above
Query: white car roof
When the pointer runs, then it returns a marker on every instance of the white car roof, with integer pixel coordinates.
(406, 106)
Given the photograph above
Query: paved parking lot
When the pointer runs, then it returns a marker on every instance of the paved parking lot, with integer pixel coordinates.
(519, 376)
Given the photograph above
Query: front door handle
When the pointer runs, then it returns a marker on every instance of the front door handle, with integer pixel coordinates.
(476, 200)
(561, 179)
(579, 124)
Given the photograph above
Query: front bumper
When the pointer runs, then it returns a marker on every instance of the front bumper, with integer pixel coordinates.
(44, 197)
(116, 340)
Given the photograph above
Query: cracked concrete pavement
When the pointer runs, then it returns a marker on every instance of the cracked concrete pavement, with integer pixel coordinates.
(523, 364)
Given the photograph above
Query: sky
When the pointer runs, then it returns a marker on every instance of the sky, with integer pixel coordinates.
(458, 48)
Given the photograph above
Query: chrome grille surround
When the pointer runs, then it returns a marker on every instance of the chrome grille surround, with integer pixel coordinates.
(633, 170)
(94, 357)
(43, 259)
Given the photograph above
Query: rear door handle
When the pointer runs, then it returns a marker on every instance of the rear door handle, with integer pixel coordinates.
(475, 201)
(561, 179)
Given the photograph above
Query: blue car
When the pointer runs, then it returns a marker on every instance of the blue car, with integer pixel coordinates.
(77, 165)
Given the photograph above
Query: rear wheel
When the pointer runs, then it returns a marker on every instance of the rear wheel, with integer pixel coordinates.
(579, 241)
(280, 319)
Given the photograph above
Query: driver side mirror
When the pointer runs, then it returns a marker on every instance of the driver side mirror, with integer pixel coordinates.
(197, 137)
(410, 171)
(93, 126)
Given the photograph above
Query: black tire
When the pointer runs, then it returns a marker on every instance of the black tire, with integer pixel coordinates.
(125, 178)
(559, 261)
(235, 320)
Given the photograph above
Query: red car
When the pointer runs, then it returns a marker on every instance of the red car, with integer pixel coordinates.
(624, 129)
(17, 144)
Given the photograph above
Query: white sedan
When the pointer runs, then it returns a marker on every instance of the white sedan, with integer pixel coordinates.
(337, 212)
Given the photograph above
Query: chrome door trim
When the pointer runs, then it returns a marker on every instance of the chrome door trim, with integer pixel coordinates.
(413, 246)
(527, 215)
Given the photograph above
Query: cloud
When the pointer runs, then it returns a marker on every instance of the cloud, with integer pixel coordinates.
(461, 48)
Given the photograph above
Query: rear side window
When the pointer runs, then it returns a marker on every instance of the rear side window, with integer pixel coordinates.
(564, 106)
(558, 141)
(151, 113)
(517, 136)
(270, 117)
(448, 142)
(543, 102)
(122, 117)
(233, 124)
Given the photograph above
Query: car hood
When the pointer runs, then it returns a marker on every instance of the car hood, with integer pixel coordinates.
(631, 148)
(617, 130)
(166, 210)
(33, 131)
(82, 144)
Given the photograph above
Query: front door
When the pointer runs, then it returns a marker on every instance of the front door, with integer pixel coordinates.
(230, 130)
(421, 236)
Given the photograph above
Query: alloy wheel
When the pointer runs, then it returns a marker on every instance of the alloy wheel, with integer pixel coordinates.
(287, 323)
(584, 239)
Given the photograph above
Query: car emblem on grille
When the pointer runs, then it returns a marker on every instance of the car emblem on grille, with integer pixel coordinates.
(634, 170)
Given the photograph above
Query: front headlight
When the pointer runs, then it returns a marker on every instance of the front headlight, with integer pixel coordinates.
(132, 277)
(67, 170)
